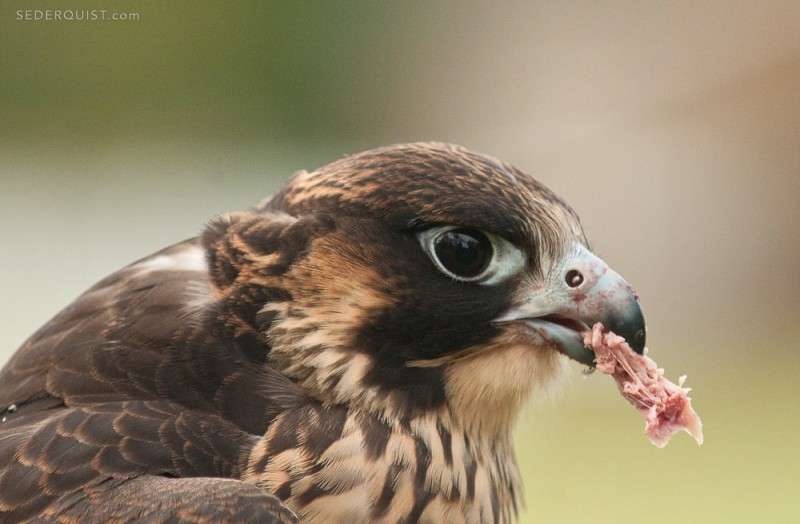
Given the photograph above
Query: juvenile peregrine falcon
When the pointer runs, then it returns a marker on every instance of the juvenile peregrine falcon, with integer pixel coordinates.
(354, 349)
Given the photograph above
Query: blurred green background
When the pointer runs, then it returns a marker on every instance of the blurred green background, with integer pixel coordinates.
(672, 127)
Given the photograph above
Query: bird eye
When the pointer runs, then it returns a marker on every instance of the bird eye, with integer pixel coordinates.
(463, 252)
(471, 255)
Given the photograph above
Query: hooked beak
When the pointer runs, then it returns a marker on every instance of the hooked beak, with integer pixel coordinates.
(579, 292)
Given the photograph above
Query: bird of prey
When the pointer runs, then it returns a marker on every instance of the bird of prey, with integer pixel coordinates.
(355, 348)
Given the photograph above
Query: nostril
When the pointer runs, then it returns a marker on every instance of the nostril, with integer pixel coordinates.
(574, 278)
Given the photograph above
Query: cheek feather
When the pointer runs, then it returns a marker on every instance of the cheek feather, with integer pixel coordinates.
(351, 380)
(335, 293)
(487, 391)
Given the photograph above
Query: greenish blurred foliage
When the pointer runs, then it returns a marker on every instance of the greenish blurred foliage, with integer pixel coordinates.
(309, 70)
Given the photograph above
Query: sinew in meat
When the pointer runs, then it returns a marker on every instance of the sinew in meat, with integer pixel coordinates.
(665, 406)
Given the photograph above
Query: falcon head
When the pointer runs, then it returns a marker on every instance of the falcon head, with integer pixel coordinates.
(419, 278)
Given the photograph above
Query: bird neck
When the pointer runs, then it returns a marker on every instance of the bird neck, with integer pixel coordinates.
(423, 469)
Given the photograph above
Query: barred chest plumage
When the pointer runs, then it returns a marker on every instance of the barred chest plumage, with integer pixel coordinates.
(331, 465)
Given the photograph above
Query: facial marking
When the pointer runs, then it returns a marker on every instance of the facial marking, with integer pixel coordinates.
(374, 325)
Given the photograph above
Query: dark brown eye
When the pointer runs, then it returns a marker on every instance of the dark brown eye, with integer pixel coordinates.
(471, 255)
(465, 253)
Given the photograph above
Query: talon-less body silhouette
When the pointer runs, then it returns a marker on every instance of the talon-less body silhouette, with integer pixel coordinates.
(354, 349)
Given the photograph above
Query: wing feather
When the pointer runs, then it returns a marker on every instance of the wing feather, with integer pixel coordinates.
(47, 456)
(150, 499)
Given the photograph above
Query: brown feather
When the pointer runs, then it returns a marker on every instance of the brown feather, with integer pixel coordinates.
(301, 357)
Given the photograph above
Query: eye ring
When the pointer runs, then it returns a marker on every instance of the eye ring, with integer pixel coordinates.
(471, 255)
(464, 253)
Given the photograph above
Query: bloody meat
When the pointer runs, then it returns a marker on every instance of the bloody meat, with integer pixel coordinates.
(665, 406)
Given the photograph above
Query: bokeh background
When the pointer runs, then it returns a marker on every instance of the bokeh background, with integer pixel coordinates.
(672, 127)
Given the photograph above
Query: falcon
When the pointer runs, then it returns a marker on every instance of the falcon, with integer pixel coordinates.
(355, 348)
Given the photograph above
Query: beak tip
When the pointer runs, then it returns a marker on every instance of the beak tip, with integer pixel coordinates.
(629, 323)
(638, 340)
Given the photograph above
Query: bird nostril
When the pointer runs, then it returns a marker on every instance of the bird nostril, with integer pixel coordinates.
(574, 278)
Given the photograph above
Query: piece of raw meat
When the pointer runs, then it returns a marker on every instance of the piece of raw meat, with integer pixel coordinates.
(666, 406)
